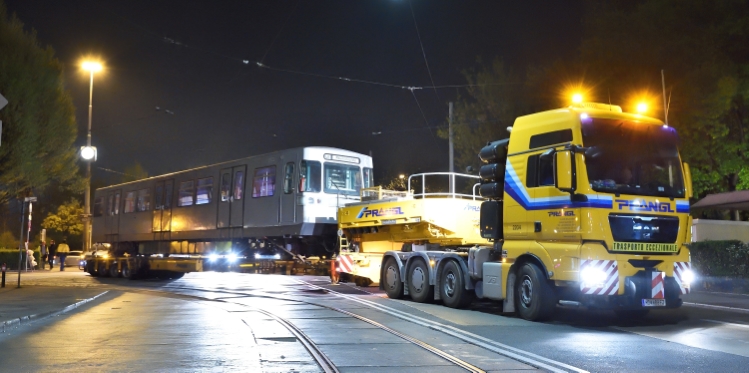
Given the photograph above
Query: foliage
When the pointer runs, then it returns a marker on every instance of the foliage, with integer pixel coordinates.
(490, 105)
(702, 45)
(720, 258)
(38, 123)
(8, 240)
(10, 258)
(67, 220)
(134, 172)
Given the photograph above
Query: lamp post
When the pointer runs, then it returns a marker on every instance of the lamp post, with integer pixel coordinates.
(88, 153)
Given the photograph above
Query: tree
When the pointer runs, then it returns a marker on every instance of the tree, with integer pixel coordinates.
(67, 221)
(134, 172)
(490, 105)
(703, 47)
(38, 123)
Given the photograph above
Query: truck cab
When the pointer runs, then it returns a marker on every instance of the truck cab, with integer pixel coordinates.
(593, 210)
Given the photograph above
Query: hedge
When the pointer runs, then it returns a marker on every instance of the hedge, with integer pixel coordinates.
(10, 257)
(720, 258)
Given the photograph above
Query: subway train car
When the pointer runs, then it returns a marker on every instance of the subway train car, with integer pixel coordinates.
(285, 200)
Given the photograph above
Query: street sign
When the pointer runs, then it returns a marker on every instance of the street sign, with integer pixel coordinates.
(3, 101)
(29, 199)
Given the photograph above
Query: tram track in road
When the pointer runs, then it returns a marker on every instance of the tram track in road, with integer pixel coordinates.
(322, 359)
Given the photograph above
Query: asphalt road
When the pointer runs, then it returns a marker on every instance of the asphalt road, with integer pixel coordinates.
(235, 322)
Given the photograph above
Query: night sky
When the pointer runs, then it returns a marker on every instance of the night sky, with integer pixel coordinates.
(188, 59)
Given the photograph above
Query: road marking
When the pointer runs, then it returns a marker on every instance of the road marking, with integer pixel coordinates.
(500, 348)
(701, 305)
(727, 323)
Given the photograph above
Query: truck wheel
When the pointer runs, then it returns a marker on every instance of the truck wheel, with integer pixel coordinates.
(391, 279)
(418, 282)
(535, 297)
(103, 272)
(91, 268)
(113, 272)
(452, 287)
(126, 270)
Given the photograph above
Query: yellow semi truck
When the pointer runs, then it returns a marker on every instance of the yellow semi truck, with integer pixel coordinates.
(584, 206)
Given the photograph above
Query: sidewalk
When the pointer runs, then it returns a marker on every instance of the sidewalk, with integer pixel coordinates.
(21, 305)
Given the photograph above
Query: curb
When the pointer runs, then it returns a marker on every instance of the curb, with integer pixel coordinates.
(13, 323)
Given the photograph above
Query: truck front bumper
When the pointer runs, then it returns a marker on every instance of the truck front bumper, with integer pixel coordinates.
(636, 289)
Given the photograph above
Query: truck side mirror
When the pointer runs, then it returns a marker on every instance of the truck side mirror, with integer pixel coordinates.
(564, 171)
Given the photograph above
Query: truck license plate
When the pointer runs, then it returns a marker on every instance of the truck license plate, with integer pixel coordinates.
(654, 303)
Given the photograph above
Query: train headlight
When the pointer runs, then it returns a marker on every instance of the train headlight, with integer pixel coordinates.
(687, 276)
(593, 277)
(212, 257)
(277, 256)
(232, 257)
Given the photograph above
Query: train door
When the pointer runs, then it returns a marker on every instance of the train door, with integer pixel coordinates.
(231, 197)
(288, 197)
(162, 211)
(112, 220)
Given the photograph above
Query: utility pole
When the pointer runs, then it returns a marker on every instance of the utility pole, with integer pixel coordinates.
(30, 200)
(450, 147)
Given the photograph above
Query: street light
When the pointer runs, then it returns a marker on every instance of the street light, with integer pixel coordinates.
(88, 153)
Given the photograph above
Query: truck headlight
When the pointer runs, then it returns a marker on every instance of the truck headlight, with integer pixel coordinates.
(593, 277)
(687, 276)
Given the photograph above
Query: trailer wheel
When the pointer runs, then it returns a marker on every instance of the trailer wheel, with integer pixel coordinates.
(91, 268)
(103, 272)
(453, 288)
(535, 297)
(418, 282)
(391, 279)
(113, 272)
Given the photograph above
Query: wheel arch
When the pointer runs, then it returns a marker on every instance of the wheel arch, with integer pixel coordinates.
(530, 258)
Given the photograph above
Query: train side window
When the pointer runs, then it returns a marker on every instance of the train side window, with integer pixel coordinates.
(117, 203)
(309, 176)
(110, 203)
(99, 207)
(130, 202)
(238, 185)
(144, 200)
(225, 186)
(264, 182)
(288, 178)
(158, 203)
(168, 192)
(186, 193)
(205, 191)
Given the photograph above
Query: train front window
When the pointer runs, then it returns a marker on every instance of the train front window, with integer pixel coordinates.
(342, 179)
(309, 176)
(368, 177)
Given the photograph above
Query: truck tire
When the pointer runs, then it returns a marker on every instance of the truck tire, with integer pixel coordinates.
(91, 268)
(126, 271)
(103, 270)
(391, 279)
(452, 287)
(535, 298)
(113, 271)
(418, 282)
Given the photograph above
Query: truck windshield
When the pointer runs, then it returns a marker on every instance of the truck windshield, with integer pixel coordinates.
(342, 179)
(627, 157)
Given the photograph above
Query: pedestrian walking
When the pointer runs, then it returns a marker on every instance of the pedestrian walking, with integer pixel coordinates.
(62, 251)
(52, 253)
(43, 253)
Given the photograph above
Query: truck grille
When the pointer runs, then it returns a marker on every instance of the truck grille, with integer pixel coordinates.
(644, 228)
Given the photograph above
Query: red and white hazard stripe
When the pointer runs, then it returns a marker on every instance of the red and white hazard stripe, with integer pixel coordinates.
(679, 269)
(609, 286)
(657, 290)
(345, 263)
